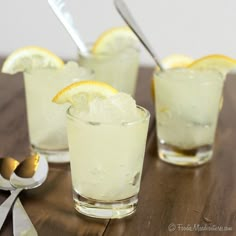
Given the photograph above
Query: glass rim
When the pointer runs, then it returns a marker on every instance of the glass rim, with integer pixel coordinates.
(104, 55)
(47, 70)
(179, 69)
(125, 123)
(157, 73)
(43, 69)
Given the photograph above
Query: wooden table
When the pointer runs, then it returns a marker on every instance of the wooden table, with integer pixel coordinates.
(172, 200)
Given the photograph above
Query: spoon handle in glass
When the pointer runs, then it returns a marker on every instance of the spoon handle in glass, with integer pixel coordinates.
(128, 18)
(21, 221)
(61, 11)
(7, 204)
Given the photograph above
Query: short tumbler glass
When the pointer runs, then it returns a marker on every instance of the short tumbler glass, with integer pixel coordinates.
(187, 104)
(47, 120)
(118, 69)
(106, 164)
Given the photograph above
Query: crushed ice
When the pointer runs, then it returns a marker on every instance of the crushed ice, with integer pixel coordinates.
(118, 108)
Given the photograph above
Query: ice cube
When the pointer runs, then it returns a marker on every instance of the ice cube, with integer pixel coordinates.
(73, 71)
(116, 109)
(81, 102)
(126, 106)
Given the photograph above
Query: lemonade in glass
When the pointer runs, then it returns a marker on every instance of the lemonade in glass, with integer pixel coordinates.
(45, 74)
(107, 138)
(114, 58)
(46, 120)
(187, 106)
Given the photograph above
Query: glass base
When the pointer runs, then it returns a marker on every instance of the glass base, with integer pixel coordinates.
(105, 210)
(57, 156)
(182, 157)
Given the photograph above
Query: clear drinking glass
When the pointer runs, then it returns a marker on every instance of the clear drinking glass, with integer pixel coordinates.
(106, 164)
(187, 107)
(119, 69)
(47, 120)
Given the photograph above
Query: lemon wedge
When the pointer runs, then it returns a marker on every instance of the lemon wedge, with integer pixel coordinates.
(90, 89)
(115, 40)
(218, 62)
(27, 58)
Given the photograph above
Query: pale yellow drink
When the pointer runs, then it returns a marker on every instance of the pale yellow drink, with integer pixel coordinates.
(46, 120)
(107, 145)
(187, 107)
(119, 69)
(114, 58)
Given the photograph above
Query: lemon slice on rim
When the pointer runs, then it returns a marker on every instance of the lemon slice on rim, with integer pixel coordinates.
(170, 62)
(219, 62)
(222, 63)
(90, 89)
(177, 61)
(115, 40)
(27, 58)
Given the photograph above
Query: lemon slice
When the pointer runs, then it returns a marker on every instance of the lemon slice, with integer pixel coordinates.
(27, 58)
(221, 63)
(90, 89)
(176, 61)
(115, 40)
(172, 61)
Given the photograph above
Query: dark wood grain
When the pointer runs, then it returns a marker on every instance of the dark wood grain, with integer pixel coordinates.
(183, 196)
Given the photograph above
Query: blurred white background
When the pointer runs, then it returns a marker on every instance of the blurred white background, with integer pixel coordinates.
(190, 27)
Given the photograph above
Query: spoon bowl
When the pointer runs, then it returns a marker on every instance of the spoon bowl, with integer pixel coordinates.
(29, 174)
(21, 221)
(7, 166)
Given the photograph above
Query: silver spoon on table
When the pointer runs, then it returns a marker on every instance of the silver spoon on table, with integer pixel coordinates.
(21, 221)
(30, 173)
(128, 18)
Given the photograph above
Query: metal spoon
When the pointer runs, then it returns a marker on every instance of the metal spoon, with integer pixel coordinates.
(128, 18)
(59, 8)
(30, 173)
(7, 166)
(21, 221)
